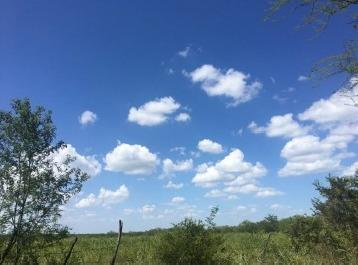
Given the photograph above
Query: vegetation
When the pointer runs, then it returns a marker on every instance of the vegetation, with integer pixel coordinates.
(33, 186)
(319, 13)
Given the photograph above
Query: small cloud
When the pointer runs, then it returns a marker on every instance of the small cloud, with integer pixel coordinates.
(231, 83)
(290, 89)
(172, 185)
(131, 159)
(185, 53)
(209, 146)
(279, 99)
(238, 132)
(148, 208)
(153, 112)
(180, 149)
(87, 117)
(104, 198)
(170, 167)
(178, 200)
(302, 78)
(183, 117)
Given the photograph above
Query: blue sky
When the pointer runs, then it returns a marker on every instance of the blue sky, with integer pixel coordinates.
(176, 106)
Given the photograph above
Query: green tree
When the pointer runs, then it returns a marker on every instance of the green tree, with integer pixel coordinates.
(248, 226)
(269, 224)
(318, 14)
(339, 207)
(33, 187)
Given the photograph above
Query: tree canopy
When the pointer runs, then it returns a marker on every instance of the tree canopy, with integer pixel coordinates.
(33, 187)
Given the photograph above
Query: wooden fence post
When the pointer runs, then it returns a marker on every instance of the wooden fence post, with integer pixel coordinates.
(118, 242)
(70, 252)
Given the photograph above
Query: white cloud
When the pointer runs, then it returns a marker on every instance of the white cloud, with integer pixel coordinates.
(153, 112)
(87, 117)
(172, 185)
(308, 154)
(104, 198)
(180, 149)
(280, 126)
(233, 84)
(182, 117)
(177, 200)
(232, 167)
(184, 53)
(88, 164)
(302, 78)
(243, 208)
(236, 174)
(209, 146)
(336, 109)
(279, 99)
(131, 159)
(148, 208)
(112, 197)
(89, 201)
(170, 167)
(351, 170)
(215, 193)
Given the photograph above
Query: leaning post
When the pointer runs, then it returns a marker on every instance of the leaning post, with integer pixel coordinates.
(118, 242)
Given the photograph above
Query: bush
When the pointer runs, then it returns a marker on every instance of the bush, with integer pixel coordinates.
(191, 242)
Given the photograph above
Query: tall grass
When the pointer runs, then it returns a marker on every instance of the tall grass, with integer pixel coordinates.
(238, 248)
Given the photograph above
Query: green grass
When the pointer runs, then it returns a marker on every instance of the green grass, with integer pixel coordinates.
(238, 248)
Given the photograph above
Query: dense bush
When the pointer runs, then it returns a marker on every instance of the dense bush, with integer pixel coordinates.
(191, 242)
(339, 207)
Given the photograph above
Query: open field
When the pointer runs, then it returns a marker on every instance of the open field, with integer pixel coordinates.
(238, 248)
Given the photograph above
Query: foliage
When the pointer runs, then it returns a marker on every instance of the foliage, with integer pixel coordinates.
(340, 207)
(33, 187)
(248, 226)
(269, 224)
(319, 14)
(191, 242)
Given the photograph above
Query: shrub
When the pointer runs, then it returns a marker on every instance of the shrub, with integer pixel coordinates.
(191, 242)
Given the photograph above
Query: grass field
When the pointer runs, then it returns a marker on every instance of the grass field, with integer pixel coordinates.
(238, 248)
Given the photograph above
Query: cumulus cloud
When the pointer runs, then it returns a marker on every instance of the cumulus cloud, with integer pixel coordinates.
(131, 159)
(87, 117)
(170, 167)
(209, 146)
(280, 126)
(236, 174)
(177, 200)
(104, 198)
(172, 185)
(182, 117)
(231, 83)
(309, 154)
(336, 109)
(88, 164)
(153, 112)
